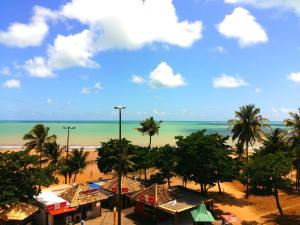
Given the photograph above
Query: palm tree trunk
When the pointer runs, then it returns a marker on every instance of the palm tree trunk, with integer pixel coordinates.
(219, 187)
(74, 177)
(277, 202)
(145, 174)
(247, 160)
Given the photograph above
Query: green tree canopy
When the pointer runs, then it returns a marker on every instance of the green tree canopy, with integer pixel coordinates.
(267, 173)
(166, 160)
(20, 177)
(205, 159)
(109, 153)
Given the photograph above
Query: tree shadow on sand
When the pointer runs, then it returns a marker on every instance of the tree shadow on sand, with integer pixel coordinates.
(228, 199)
(283, 220)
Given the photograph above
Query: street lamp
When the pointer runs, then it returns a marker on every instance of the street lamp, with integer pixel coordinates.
(68, 128)
(119, 108)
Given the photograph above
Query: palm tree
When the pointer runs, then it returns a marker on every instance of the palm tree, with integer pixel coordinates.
(53, 152)
(275, 141)
(37, 138)
(108, 156)
(247, 128)
(149, 127)
(79, 162)
(294, 138)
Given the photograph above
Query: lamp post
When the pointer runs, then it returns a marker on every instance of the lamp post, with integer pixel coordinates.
(119, 108)
(68, 128)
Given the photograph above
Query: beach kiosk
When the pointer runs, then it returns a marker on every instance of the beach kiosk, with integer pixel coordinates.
(54, 210)
(18, 214)
(86, 200)
(148, 200)
(129, 186)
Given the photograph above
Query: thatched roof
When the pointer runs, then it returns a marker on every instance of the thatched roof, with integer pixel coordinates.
(82, 194)
(154, 195)
(128, 185)
(18, 212)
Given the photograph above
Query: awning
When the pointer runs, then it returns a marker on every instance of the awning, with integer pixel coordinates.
(201, 214)
(63, 210)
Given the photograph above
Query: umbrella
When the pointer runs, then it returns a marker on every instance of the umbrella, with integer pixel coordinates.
(201, 214)
(230, 218)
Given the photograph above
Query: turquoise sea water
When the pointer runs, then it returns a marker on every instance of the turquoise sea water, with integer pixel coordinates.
(92, 133)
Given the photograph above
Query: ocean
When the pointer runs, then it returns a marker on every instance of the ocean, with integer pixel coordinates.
(90, 134)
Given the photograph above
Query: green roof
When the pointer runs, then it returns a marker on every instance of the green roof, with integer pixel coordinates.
(201, 214)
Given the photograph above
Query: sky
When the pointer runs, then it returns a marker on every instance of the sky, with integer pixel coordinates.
(174, 60)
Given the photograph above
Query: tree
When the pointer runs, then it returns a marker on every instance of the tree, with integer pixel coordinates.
(149, 127)
(294, 137)
(275, 141)
(20, 177)
(37, 138)
(109, 153)
(143, 159)
(205, 159)
(166, 160)
(247, 128)
(53, 152)
(267, 172)
(78, 161)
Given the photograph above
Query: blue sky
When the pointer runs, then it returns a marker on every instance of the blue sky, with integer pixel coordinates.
(174, 60)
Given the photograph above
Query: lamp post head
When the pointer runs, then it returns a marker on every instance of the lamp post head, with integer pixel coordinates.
(119, 107)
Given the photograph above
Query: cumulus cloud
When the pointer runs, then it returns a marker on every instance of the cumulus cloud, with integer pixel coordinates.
(163, 76)
(226, 81)
(5, 71)
(13, 83)
(88, 90)
(38, 67)
(32, 34)
(131, 25)
(291, 5)
(137, 79)
(295, 77)
(242, 26)
(257, 90)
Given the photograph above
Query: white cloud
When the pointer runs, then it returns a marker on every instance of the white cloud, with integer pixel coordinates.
(88, 90)
(242, 26)
(159, 113)
(274, 110)
(291, 5)
(5, 71)
(226, 81)
(72, 50)
(85, 90)
(163, 76)
(219, 49)
(257, 90)
(32, 34)
(295, 77)
(38, 67)
(131, 25)
(13, 83)
(137, 79)
(98, 86)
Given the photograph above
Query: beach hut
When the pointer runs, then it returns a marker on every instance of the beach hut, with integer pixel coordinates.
(86, 199)
(18, 214)
(53, 209)
(148, 200)
(129, 187)
(202, 215)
